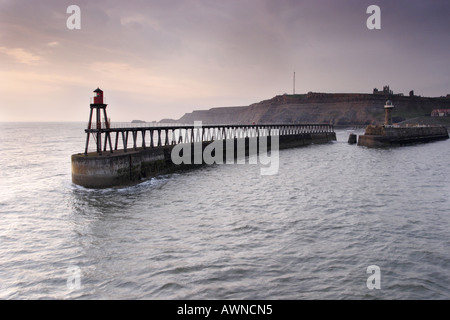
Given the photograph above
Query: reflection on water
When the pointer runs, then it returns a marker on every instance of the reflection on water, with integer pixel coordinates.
(225, 231)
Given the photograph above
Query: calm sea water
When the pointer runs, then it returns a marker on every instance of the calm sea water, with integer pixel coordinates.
(225, 231)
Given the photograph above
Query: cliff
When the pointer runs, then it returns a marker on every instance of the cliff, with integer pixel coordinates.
(335, 108)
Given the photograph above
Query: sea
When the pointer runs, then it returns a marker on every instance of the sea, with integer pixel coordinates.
(336, 222)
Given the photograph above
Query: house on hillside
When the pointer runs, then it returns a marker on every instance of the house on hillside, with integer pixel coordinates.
(440, 113)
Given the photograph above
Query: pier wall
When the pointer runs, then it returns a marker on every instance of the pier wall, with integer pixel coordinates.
(378, 136)
(124, 168)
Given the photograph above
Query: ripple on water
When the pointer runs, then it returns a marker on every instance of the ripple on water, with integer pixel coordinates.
(226, 232)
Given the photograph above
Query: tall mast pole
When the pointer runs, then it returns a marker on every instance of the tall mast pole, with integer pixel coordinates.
(294, 82)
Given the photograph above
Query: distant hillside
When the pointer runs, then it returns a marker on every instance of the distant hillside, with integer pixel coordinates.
(335, 108)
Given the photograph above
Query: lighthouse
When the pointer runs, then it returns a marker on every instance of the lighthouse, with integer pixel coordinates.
(388, 113)
(98, 106)
(98, 99)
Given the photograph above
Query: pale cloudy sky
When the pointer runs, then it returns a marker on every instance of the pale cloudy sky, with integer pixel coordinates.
(162, 58)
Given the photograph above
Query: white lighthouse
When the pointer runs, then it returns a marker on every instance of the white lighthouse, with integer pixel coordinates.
(388, 113)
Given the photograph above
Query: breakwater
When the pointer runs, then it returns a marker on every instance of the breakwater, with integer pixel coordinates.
(379, 136)
(165, 149)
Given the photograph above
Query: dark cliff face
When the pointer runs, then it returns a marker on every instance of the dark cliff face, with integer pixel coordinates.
(335, 108)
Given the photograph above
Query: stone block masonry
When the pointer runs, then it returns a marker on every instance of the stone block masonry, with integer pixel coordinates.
(381, 136)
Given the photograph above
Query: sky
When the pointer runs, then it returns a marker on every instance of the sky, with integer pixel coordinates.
(157, 59)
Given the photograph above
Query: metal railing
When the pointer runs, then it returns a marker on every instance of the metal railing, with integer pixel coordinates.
(149, 135)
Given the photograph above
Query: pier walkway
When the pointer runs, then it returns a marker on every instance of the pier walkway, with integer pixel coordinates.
(128, 152)
(150, 135)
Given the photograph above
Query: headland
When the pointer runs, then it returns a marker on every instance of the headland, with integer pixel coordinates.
(340, 109)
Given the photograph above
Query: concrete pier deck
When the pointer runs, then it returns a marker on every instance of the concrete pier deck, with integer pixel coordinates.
(382, 136)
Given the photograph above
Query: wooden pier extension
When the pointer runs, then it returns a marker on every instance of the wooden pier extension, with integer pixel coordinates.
(131, 154)
(126, 152)
(165, 135)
